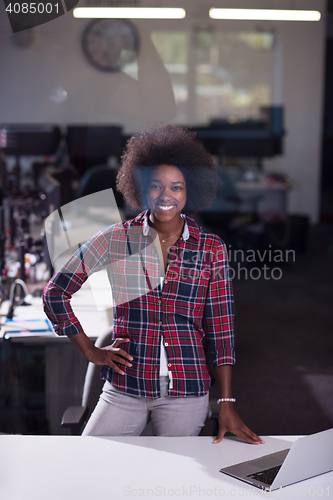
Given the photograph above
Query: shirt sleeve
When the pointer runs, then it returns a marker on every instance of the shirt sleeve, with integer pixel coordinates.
(89, 258)
(219, 310)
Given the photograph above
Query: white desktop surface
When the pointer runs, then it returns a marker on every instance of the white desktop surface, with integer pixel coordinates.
(271, 197)
(262, 185)
(86, 468)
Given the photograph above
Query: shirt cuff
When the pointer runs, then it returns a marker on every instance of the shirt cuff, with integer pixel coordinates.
(224, 356)
(68, 328)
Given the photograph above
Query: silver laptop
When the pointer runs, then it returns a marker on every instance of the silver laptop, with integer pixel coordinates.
(308, 456)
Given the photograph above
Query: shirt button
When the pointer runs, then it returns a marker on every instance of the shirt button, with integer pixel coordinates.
(160, 322)
(160, 302)
(169, 365)
(165, 281)
(166, 344)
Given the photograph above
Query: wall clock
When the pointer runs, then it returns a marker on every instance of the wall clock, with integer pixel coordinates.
(110, 44)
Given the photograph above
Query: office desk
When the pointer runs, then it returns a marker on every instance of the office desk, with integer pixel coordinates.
(65, 367)
(272, 197)
(86, 468)
(94, 322)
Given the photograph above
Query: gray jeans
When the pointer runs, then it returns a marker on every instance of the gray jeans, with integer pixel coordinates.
(121, 414)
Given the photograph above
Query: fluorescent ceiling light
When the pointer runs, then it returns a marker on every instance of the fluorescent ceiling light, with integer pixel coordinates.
(265, 14)
(129, 12)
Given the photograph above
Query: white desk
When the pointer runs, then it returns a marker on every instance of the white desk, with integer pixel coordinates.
(272, 197)
(94, 322)
(86, 468)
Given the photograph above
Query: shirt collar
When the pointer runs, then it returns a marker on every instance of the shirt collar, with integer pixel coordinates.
(190, 227)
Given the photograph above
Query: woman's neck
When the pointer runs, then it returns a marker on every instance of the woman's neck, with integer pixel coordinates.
(167, 228)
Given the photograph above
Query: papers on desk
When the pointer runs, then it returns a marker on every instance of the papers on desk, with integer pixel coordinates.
(26, 327)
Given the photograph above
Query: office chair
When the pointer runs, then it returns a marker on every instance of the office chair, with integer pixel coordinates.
(76, 417)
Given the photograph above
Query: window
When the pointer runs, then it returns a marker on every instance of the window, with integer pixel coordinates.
(172, 46)
(218, 74)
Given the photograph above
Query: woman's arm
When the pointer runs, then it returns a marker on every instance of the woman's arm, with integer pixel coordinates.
(219, 328)
(58, 309)
(57, 295)
(229, 421)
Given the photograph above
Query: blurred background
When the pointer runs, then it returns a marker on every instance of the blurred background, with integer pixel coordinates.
(259, 94)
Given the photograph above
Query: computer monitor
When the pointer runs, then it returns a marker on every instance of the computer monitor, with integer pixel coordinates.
(27, 140)
(92, 145)
(253, 137)
(39, 140)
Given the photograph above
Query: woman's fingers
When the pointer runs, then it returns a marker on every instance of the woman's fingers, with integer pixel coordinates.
(120, 341)
(115, 368)
(112, 360)
(117, 342)
(220, 436)
(230, 421)
(250, 437)
(123, 353)
(116, 354)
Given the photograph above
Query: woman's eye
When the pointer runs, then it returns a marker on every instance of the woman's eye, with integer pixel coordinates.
(154, 186)
(176, 188)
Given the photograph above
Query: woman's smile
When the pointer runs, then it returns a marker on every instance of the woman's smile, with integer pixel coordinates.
(165, 207)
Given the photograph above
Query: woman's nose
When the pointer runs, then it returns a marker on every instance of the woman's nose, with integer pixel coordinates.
(165, 194)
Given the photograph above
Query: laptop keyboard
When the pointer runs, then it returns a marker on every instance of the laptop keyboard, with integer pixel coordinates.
(266, 476)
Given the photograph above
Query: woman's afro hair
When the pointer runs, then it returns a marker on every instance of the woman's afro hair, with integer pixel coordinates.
(167, 145)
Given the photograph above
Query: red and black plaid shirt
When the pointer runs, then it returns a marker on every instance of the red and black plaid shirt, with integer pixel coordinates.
(193, 310)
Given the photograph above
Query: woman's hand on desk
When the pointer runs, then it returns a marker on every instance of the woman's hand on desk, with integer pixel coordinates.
(112, 355)
(229, 421)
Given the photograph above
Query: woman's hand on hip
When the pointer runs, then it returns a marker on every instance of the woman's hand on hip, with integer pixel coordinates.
(112, 355)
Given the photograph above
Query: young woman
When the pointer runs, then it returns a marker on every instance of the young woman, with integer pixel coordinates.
(173, 300)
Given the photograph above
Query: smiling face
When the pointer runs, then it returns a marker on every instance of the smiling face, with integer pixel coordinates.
(166, 193)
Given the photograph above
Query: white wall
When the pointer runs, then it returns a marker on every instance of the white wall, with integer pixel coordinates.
(30, 77)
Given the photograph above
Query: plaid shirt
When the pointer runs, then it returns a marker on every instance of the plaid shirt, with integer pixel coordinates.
(193, 310)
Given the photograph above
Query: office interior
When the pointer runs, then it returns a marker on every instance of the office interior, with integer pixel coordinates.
(259, 94)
